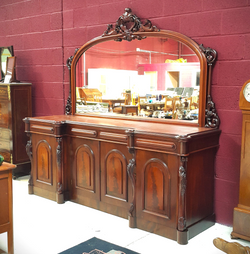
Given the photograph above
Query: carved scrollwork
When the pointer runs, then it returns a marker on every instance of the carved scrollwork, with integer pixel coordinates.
(182, 194)
(212, 119)
(68, 108)
(127, 24)
(59, 152)
(130, 170)
(210, 54)
(183, 180)
(69, 60)
(182, 224)
(30, 155)
(59, 164)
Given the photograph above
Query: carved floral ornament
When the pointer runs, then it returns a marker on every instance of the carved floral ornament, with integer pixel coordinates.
(127, 24)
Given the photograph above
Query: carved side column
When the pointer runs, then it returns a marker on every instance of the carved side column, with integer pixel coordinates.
(182, 233)
(59, 162)
(29, 152)
(132, 176)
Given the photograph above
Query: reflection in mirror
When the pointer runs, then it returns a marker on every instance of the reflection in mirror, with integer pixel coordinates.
(5, 52)
(155, 77)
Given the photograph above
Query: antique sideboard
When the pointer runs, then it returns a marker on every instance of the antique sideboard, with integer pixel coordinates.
(156, 171)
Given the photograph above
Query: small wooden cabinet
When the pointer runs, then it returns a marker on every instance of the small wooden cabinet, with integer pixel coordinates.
(6, 213)
(15, 104)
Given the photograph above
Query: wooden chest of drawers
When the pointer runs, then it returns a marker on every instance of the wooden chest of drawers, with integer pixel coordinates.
(15, 104)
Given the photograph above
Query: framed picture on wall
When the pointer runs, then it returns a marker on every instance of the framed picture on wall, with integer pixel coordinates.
(10, 69)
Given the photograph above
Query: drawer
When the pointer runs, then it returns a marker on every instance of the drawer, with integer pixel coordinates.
(6, 155)
(34, 127)
(5, 134)
(5, 145)
(153, 144)
(4, 93)
(83, 132)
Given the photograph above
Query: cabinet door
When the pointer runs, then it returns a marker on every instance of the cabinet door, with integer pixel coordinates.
(85, 174)
(44, 169)
(115, 185)
(156, 188)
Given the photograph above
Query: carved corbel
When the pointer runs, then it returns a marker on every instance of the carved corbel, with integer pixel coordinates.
(59, 190)
(30, 155)
(132, 176)
(182, 227)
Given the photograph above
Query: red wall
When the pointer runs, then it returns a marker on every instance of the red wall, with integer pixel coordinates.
(45, 33)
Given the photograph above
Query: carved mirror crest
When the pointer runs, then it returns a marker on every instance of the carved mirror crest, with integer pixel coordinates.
(136, 71)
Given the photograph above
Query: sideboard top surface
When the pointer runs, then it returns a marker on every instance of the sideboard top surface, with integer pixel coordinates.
(138, 126)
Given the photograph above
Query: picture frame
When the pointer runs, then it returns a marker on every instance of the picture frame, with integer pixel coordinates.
(10, 70)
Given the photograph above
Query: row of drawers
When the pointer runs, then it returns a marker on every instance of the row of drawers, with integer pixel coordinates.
(119, 135)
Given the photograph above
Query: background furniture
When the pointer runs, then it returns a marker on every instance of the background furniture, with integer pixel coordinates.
(241, 220)
(15, 104)
(6, 212)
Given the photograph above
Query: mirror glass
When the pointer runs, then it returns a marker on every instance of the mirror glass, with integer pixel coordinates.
(5, 52)
(155, 77)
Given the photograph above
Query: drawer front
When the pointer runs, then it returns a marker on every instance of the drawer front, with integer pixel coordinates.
(5, 134)
(36, 127)
(4, 93)
(6, 156)
(153, 144)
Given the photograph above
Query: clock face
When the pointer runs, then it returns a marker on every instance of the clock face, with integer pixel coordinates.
(246, 92)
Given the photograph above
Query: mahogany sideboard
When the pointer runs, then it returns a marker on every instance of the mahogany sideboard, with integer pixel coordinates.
(154, 166)
(15, 104)
(168, 188)
(6, 203)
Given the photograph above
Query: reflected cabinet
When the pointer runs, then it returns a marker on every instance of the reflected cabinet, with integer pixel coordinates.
(140, 133)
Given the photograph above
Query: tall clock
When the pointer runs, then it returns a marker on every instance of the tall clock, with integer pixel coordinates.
(241, 220)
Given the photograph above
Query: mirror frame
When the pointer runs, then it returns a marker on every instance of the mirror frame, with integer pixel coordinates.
(123, 30)
(11, 49)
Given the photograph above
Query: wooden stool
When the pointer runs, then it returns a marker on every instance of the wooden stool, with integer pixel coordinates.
(6, 203)
(230, 248)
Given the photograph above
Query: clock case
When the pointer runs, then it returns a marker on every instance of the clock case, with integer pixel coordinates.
(241, 220)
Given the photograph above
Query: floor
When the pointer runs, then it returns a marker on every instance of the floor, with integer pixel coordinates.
(43, 226)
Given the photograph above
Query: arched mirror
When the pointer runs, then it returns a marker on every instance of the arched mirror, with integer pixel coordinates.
(135, 71)
(5, 52)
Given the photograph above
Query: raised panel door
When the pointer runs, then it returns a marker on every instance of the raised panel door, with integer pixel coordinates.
(115, 185)
(85, 174)
(156, 190)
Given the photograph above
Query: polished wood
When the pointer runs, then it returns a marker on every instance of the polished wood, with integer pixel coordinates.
(241, 220)
(6, 203)
(230, 247)
(15, 104)
(135, 29)
(158, 176)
